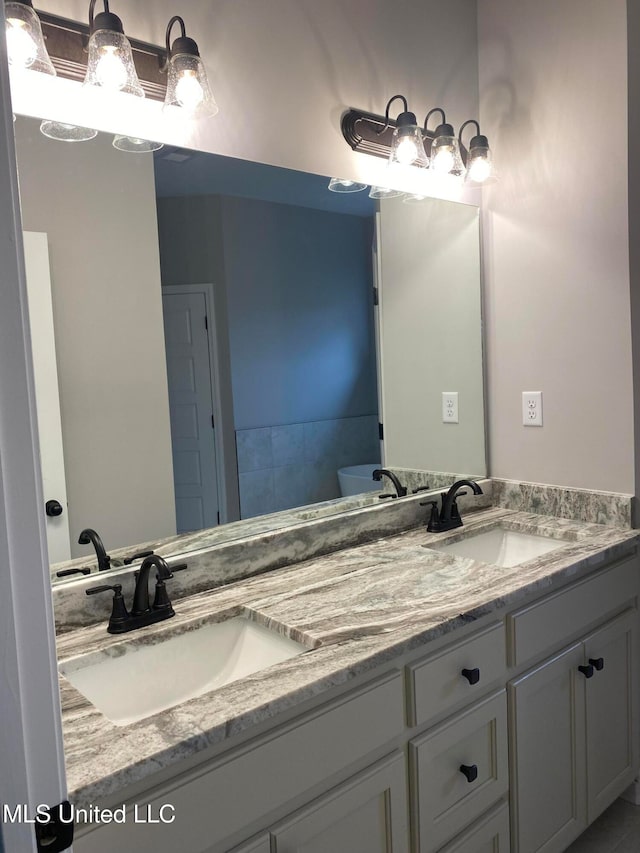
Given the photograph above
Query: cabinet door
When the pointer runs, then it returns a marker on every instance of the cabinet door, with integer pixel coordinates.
(548, 782)
(612, 754)
(366, 815)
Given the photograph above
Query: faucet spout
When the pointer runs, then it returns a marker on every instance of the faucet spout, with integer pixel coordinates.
(377, 475)
(90, 536)
(449, 517)
(141, 602)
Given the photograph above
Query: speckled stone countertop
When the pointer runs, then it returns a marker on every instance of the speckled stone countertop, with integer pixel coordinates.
(356, 608)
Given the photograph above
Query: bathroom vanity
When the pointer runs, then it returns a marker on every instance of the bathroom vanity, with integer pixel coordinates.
(443, 703)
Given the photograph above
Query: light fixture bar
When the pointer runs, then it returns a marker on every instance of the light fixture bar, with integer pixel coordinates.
(366, 133)
(67, 46)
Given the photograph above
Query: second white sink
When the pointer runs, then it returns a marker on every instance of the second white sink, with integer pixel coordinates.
(501, 547)
(133, 680)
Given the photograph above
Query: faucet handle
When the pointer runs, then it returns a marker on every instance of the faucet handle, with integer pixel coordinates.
(386, 495)
(179, 568)
(420, 489)
(66, 572)
(140, 555)
(119, 613)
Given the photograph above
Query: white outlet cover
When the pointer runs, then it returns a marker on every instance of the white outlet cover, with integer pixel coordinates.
(532, 408)
(450, 407)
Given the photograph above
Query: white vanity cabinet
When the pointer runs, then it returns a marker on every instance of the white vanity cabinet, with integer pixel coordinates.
(507, 737)
(574, 715)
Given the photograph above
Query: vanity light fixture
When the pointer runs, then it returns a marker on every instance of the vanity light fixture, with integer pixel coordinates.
(110, 63)
(25, 42)
(187, 84)
(445, 149)
(444, 154)
(407, 144)
(479, 161)
(343, 185)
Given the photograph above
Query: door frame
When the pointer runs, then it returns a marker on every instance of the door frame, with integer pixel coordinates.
(31, 745)
(220, 373)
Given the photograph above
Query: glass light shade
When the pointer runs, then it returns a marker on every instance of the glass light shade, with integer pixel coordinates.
(480, 170)
(110, 64)
(407, 147)
(445, 156)
(25, 42)
(67, 132)
(134, 145)
(343, 185)
(384, 192)
(414, 198)
(188, 87)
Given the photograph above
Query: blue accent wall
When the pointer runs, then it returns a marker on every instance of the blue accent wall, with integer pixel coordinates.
(299, 290)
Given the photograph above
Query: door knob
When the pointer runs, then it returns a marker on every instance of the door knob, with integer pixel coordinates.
(597, 663)
(587, 670)
(53, 508)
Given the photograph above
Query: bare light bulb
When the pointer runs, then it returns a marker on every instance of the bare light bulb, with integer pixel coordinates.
(479, 170)
(189, 92)
(406, 151)
(21, 48)
(443, 160)
(110, 71)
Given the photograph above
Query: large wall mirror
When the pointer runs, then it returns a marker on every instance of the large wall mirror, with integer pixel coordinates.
(208, 349)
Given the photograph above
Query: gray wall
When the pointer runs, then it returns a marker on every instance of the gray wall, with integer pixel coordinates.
(97, 206)
(633, 56)
(553, 82)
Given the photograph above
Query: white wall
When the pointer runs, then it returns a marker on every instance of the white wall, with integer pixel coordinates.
(553, 88)
(283, 71)
(97, 206)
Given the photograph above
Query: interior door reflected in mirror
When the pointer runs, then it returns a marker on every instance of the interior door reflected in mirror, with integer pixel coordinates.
(215, 337)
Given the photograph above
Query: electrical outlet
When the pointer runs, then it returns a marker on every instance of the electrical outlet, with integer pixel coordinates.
(449, 407)
(532, 408)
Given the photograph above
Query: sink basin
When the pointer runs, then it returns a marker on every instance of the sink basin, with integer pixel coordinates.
(501, 547)
(134, 679)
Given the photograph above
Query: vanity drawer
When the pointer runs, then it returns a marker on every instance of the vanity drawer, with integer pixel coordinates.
(437, 683)
(444, 800)
(536, 629)
(489, 835)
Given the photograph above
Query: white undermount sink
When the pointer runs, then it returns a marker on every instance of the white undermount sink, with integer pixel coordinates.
(134, 680)
(501, 546)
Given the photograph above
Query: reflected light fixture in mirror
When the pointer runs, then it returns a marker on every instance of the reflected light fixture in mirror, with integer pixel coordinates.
(187, 83)
(110, 63)
(66, 132)
(480, 169)
(343, 185)
(134, 145)
(384, 192)
(25, 42)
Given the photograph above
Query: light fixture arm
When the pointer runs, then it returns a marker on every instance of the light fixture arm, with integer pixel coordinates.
(470, 121)
(388, 107)
(183, 44)
(430, 113)
(103, 20)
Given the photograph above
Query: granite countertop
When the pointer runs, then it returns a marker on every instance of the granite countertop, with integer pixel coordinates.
(356, 609)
